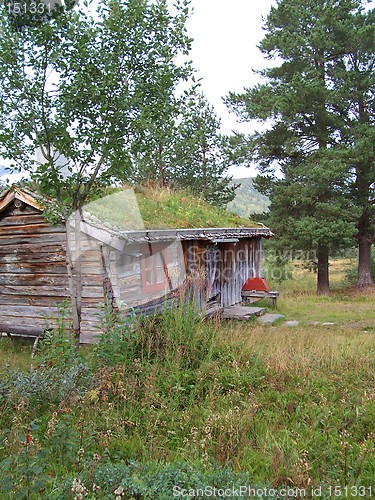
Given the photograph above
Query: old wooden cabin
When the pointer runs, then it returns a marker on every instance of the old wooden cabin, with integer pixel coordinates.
(133, 270)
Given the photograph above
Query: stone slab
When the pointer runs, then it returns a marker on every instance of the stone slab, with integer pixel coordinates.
(242, 312)
(269, 318)
(292, 323)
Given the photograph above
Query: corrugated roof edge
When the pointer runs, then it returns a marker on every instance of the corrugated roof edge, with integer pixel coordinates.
(150, 235)
(194, 234)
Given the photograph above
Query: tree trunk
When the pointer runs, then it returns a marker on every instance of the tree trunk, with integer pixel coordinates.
(323, 271)
(365, 231)
(72, 288)
(364, 242)
(78, 270)
(364, 263)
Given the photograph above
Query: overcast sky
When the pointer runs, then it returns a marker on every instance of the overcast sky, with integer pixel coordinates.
(226, 34)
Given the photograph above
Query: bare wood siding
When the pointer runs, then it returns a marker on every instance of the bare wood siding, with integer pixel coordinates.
(240, 261)
(33, 277)
(33, 274)
(88, 257)
(221, 269)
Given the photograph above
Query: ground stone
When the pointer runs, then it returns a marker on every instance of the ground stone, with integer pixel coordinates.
(269, 318)
(242, 312)
(328, 323)
(292, 323)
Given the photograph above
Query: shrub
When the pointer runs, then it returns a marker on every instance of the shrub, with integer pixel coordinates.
(44, 385)
(58, 347)
(118, 342)
(159, 481)
(178, 336)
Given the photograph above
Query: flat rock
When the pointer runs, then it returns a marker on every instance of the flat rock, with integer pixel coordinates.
(269, 318)
(328, 323)
(292, 323)
(242, 312)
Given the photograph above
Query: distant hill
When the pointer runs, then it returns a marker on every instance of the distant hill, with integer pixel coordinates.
(248, 200)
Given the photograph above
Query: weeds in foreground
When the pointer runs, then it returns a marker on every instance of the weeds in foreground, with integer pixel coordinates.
(171, 401)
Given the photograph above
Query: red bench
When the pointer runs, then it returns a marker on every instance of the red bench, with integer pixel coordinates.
(257, 288)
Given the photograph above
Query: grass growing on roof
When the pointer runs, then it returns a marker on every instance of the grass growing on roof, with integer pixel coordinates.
(154, 207)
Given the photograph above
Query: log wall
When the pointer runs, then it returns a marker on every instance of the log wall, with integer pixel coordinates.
(34, 279)
(87, 256)
(33, 275)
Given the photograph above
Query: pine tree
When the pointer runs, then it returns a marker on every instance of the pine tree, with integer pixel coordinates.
(353, 80)
(303, 140)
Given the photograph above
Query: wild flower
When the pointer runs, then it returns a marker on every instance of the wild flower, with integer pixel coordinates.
(119, 492)
(194, 434)
(52, 424)
(79, 489)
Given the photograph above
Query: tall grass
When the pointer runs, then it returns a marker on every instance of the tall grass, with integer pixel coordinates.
(15, 353)
(173, 400)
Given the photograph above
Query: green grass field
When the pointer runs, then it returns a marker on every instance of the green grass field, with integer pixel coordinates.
(189, 403)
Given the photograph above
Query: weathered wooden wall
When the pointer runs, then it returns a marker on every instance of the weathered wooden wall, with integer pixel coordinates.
(34, 279)
(33, 275)
(219, 271)
(126, 279)
(89, 258)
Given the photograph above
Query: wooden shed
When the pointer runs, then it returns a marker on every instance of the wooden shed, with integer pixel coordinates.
(133, 270)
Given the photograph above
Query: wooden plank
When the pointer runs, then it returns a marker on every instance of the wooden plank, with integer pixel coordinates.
(33, 268)
(38, 290)
(31, 249)
(42, 239)
(27, 209)
(87, 268)
(10, 321)
(93, 292)
(25, 330)
(28, 311)
(13, 279)
(26, 229)
(89, 334)
(13, 220)
(34, 300)
(242, 312)
(33, 279)
(44, 323)
(26, 258)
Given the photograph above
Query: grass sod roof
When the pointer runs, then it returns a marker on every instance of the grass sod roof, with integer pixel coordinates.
(150, 208)
(162, 208)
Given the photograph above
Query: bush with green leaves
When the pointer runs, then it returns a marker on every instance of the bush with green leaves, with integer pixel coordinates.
(58, 347)
(118, 340)
(162, 481)
(44, 386)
